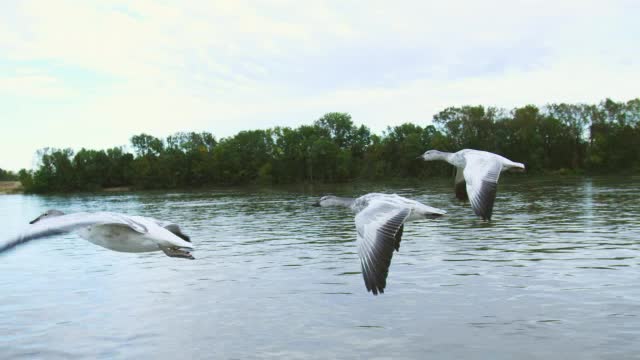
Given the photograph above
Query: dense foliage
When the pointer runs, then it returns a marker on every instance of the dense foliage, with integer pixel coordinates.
(6, 175)
(557, 137)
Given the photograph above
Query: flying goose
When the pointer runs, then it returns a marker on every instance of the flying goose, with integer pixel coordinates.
(477, 174)
(117, 232)
(380, 222)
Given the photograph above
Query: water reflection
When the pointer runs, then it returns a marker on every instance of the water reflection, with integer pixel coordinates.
(276, 277)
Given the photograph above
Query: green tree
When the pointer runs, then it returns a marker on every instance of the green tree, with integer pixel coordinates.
(592, 137)
(55, 171)
(6, 175)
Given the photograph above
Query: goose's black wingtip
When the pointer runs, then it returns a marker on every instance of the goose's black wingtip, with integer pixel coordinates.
(376, 291)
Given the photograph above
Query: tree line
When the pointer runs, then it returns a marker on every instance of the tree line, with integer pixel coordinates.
(6, 175)
(572, 138)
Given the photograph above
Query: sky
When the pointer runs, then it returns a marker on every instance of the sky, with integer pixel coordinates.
(94, 73)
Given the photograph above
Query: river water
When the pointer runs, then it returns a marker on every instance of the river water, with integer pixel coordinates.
(555, 275)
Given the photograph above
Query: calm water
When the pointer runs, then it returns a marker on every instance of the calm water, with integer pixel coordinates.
(556, 275)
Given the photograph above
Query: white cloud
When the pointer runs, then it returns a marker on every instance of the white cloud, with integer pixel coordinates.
(224, 66)
(33, 85)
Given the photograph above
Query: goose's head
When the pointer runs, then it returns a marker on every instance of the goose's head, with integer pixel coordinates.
(431, 155)
(331, 200)
(325, 201)
(47, 214)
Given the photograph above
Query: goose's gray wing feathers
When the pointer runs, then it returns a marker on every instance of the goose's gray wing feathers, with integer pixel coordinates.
(379, 228)
(461, 185)
(173, 227)
(481, 174)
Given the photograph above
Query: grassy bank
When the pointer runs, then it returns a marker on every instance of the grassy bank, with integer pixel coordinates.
(10, 187)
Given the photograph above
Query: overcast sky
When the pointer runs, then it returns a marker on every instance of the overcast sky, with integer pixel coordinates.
(92, 74)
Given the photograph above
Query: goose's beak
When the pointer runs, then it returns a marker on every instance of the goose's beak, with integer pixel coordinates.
(317, 204)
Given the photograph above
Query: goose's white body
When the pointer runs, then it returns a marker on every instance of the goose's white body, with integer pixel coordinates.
(476, 176)
(380, 220)
(117, 232)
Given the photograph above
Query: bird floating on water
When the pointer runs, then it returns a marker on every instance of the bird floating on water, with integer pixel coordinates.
(117, 232)
(477, 174)
(380, 222)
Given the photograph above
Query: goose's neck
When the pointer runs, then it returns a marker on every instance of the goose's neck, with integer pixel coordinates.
(344, 201)
(446, 156)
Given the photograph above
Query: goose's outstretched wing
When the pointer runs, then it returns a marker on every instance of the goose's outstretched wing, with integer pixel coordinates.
(174, 228)
(481, 174)
(461, 185)
(69, 223)
(379, 228)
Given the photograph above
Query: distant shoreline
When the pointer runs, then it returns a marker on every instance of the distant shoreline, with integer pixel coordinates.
(15, 187)
(117, 189)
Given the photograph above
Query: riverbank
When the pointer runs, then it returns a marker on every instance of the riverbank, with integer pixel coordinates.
(10, 187)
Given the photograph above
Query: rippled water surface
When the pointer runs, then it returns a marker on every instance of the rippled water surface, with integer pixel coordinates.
(556, 275)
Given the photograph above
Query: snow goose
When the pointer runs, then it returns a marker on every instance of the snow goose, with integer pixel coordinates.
(380, 222)
(477, 174)
(113, 231)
